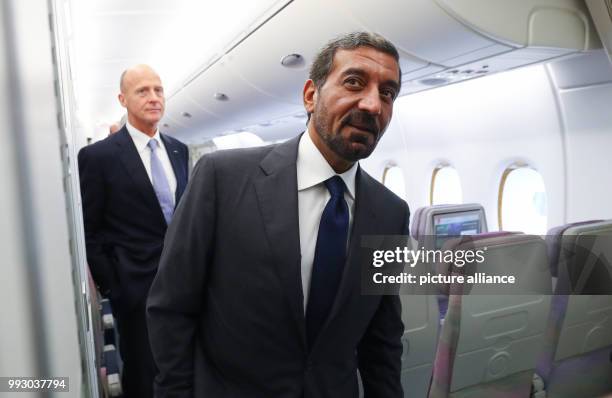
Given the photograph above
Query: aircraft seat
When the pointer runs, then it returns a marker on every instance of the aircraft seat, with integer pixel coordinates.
(428, 221)
(576, 359)
(107, 359)
(96, 321)
(489, 341)
(432, 225)
(421, 313)
(420, 317)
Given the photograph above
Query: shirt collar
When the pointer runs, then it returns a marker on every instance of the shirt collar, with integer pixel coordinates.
(141, 140)
(313, 169)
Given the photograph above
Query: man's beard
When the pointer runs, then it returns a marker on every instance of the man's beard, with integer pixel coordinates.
(342, 146)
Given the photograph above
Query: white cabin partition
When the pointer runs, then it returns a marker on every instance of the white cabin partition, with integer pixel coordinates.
(40, 289)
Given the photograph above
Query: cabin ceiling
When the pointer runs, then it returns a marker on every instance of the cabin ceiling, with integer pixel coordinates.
(221, 65)
(174, 37)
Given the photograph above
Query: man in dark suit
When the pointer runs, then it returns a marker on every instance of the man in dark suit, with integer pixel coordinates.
(130, 184)
(258, 293)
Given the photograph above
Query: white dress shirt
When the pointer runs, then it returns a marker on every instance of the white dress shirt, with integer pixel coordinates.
(312, 171)
(141, 141)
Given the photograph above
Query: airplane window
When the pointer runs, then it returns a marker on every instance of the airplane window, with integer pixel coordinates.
(445, 186)
(522, 201)
(393, 178)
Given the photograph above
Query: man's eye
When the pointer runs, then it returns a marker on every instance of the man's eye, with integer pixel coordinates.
(388, 93)
(352, 82)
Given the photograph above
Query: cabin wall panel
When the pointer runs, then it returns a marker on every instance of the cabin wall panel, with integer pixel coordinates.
(480, 127)
(580, 71)
(18, 354)
(584, 87)
(588, 121)
(40, 219)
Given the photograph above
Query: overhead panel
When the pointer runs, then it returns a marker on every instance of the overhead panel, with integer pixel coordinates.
(303, 27)
(409, 63)
(223, 93)
(194, 119)
(486, 66)
(569, 73)
(601, 11)
(440, 42)
(523, 33)
(548, 23)
(417, 27)
(171, 125)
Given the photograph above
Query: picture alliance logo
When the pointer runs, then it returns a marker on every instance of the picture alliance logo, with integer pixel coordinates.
(404, 255)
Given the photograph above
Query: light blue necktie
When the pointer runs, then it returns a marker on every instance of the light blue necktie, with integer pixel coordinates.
(160, 183)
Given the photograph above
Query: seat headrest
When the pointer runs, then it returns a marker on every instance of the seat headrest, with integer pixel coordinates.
(583, 254)
(423, 218)
(553, 243)
(507, 253)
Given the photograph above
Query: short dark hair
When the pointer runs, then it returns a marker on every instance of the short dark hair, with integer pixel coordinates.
(323, 62)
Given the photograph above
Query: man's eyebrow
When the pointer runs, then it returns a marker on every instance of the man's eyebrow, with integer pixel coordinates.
(354, 71)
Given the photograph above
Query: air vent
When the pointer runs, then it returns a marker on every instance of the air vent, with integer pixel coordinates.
(293, 61)
(221, 97)
(434, 81)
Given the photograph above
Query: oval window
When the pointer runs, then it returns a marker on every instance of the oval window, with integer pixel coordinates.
(393, 178)
(445, 186)
(523, 202)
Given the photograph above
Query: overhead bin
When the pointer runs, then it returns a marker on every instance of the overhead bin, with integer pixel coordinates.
(601, 11)
(440, 42)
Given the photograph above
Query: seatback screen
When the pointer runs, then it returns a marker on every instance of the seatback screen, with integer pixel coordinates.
(452, 225)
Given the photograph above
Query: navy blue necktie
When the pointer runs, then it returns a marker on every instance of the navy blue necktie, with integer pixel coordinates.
(329, 258)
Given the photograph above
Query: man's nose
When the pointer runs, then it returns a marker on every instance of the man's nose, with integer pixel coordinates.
(154, 95)
(371, 102)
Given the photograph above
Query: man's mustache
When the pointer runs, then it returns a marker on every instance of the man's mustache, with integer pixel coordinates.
(362, 120)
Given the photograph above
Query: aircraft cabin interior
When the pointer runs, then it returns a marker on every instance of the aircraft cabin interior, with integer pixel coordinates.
(502, 132)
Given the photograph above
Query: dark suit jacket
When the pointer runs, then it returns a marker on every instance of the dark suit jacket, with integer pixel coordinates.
(225, 312)
(124, 223)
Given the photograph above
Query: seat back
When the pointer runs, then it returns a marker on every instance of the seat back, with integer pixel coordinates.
(431, 225)
(420, 317)
(575, 360)
(427, 223)
(489, 342)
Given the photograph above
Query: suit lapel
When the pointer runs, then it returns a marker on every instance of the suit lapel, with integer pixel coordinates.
(128, 154)
(177, 162)
(278, 201)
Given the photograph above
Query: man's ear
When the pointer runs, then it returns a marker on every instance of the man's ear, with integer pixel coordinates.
(310, 96)
(122, 100)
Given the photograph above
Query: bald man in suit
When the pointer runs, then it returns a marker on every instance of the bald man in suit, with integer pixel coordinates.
(130, 184)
